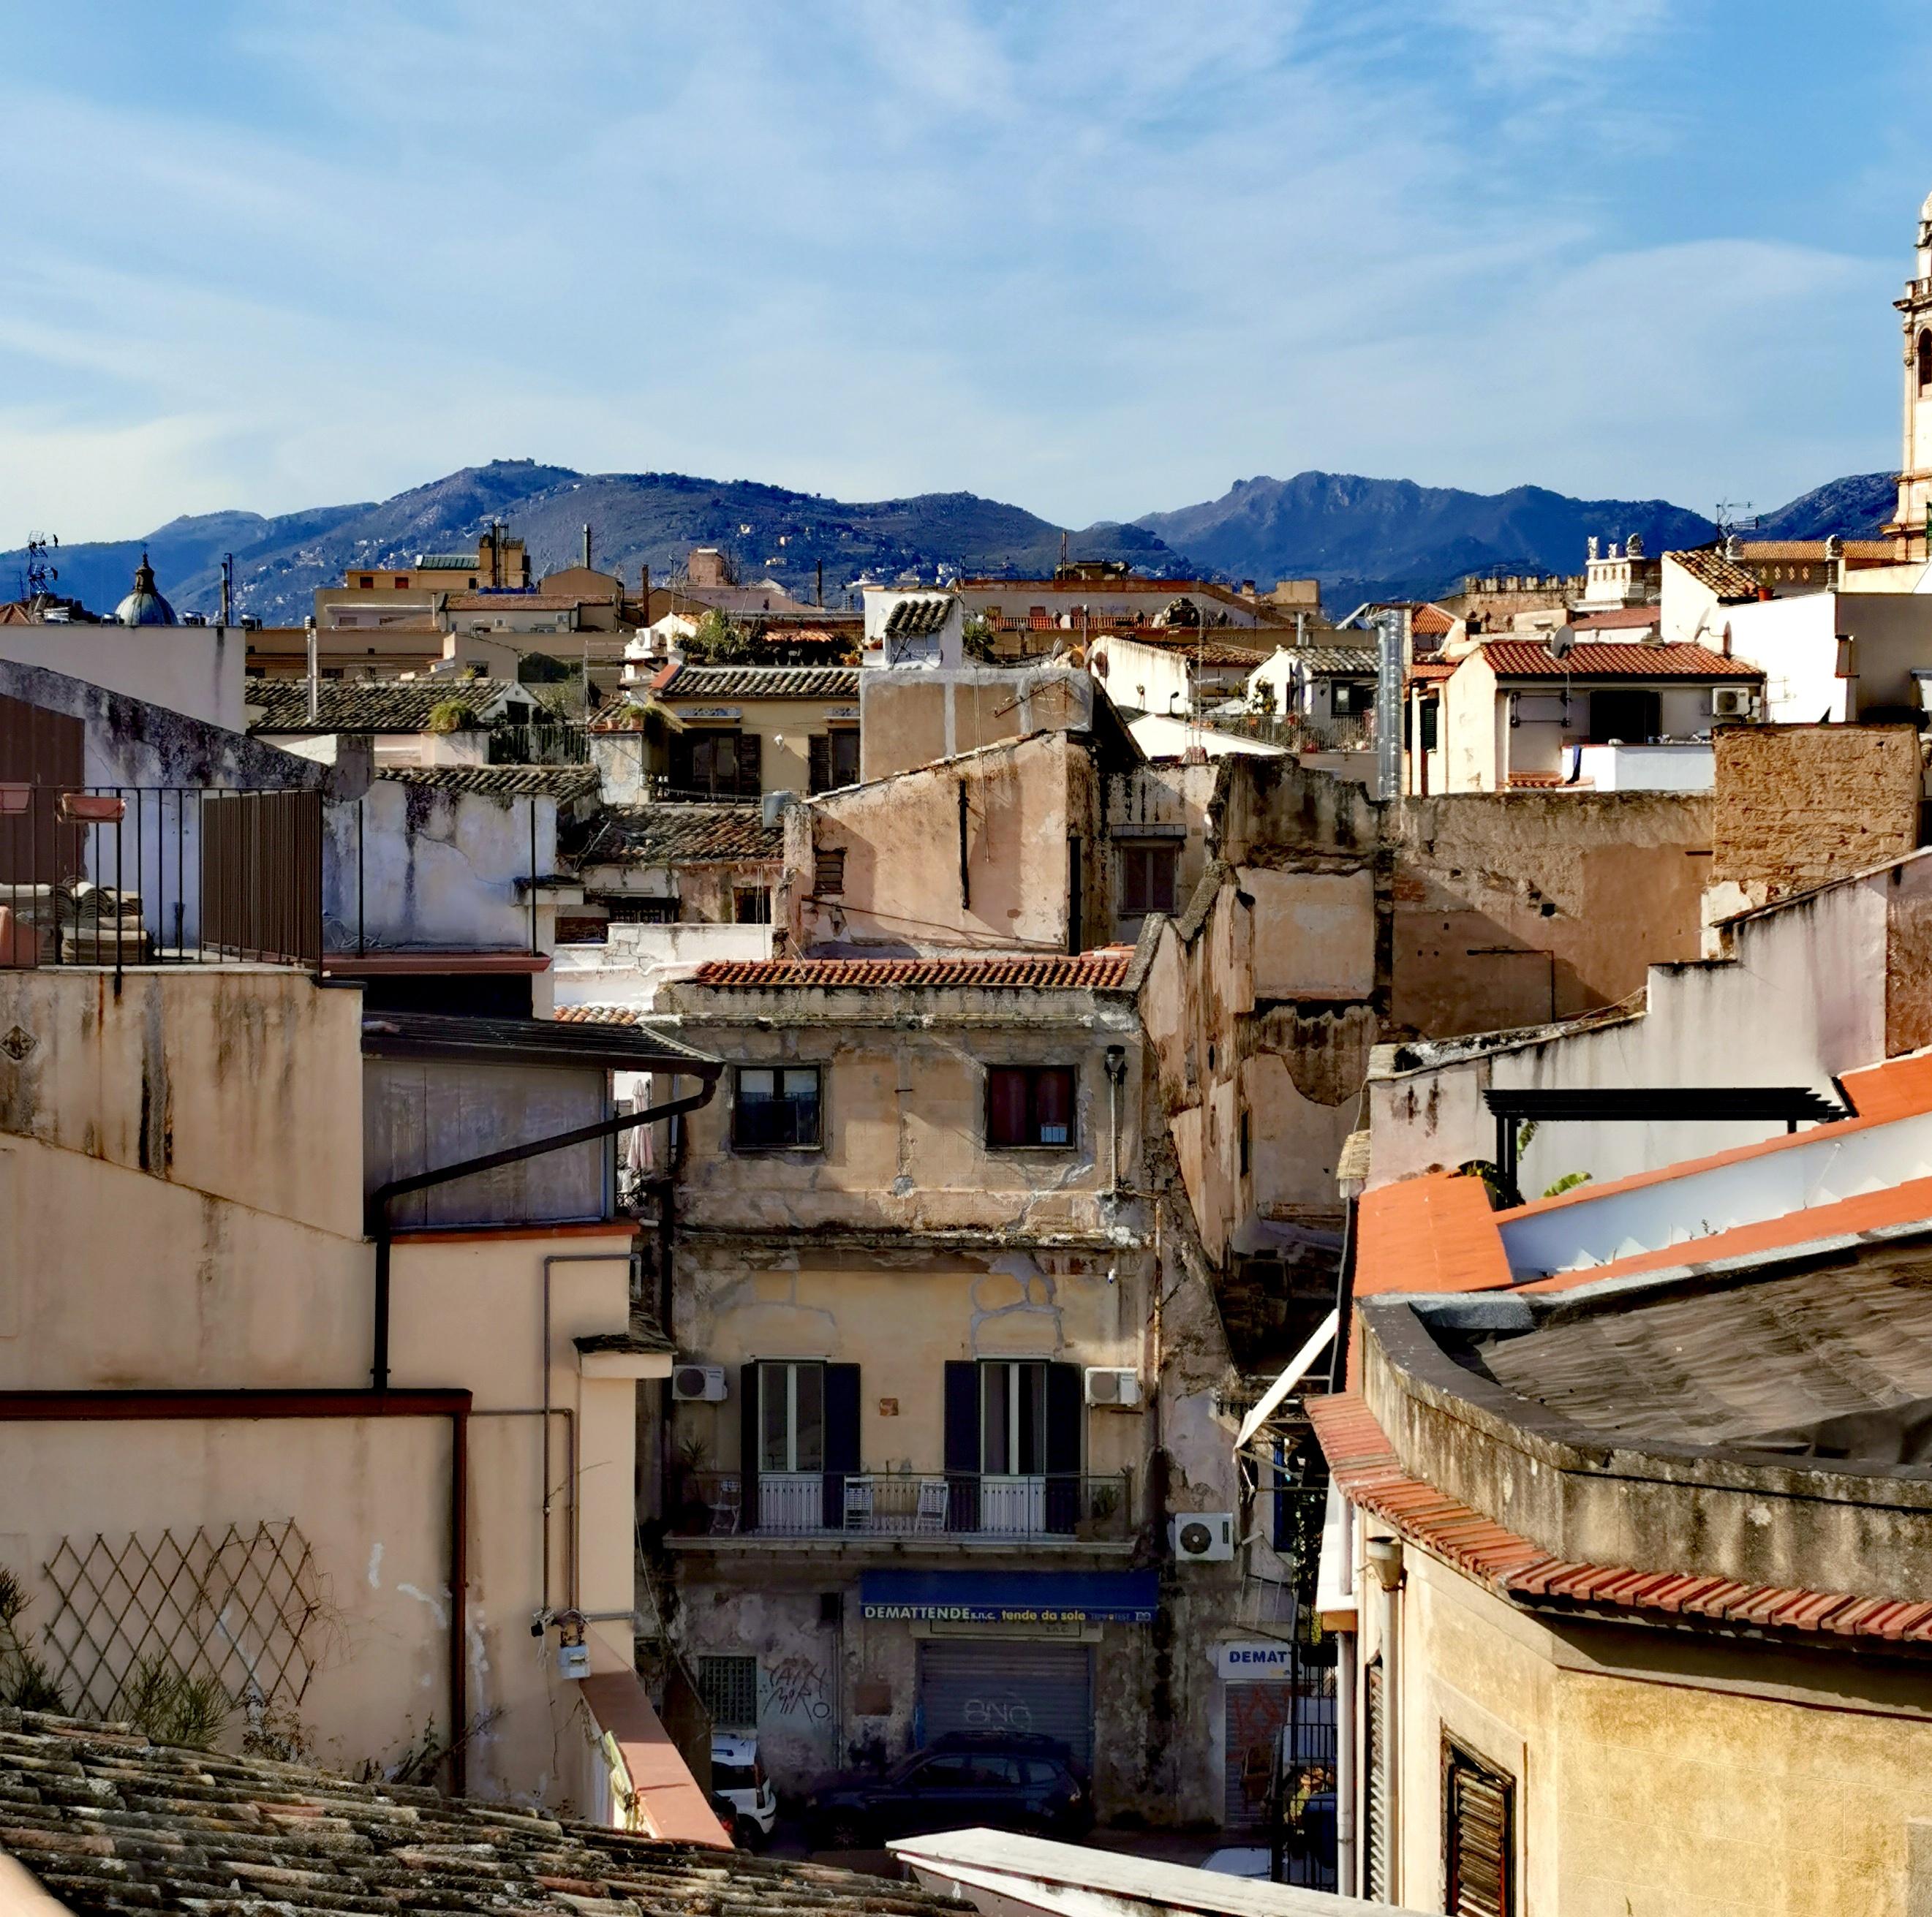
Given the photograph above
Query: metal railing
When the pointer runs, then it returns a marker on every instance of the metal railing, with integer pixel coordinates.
(1059, 1508)
(663, 792)
(120, 875)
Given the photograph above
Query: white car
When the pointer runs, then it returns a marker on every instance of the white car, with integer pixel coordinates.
(738, 1777)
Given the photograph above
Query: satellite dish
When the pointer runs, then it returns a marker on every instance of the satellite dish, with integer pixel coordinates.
(1561, 641)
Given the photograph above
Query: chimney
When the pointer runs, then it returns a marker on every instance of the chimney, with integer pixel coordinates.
(586, 545)
(228, 588)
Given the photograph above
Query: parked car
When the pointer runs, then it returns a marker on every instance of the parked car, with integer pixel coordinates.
(739, 1779)
(1006, 1783)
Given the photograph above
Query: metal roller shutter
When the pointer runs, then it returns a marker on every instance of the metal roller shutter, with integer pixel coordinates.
(1009, 1685)
(1476, 1807)
(1375, 1775)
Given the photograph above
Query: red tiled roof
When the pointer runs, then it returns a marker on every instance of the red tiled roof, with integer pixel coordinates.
(1615, 619)
(1724, 576)
(1429, 619)
(1433, 668)
(1103, 971)
(596, 1015)
(519, 601)
(1531, 658)
(1753, 551)
(1363, 1463)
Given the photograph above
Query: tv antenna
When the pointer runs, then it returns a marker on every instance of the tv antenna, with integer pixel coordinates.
(1734, 516)
(38, 575)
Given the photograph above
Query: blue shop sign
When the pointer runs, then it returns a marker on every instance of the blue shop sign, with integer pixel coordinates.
(1009, 1598)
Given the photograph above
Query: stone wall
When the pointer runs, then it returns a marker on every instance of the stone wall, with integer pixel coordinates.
(1799, 806)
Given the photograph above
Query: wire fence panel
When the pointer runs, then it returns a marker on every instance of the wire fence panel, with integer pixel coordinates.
(243, 1607)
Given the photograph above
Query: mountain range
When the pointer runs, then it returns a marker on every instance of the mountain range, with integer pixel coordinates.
(1363, 538)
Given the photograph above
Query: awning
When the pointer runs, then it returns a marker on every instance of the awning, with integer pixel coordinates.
(1296, 1366)
(1010, 1597)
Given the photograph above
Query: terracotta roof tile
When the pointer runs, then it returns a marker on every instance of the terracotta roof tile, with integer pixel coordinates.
(1616, 619)
(559, 782)
(1103, 971)
(759, 681)
(680, 835)
(1430, 618)
(1364, 1466)
(1724, 576)
(1531, 658)
(370, 705)
(108, 1823)
(596, 1015)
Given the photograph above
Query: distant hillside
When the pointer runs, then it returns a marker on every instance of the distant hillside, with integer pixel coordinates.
(1363, 538)
(1853, 509)
(635, 518)
(1367, 539)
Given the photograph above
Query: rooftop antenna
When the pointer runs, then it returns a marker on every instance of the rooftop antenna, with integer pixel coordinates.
(39, 574)
(1734, 516)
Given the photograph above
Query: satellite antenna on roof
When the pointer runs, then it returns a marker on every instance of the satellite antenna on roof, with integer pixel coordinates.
(1561, 641)
(40, 573)
(1734, 516)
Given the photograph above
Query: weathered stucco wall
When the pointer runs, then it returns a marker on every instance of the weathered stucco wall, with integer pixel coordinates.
(198, 671)
(973, 851)
(1799, 806)
(911, 718)
(1516, 909)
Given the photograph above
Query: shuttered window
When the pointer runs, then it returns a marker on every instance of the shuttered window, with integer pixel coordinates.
(1375, 1787)
(1478, 1812)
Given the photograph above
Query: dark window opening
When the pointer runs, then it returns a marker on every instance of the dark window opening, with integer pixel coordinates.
(1147, 879)
(828, 873)
(1242, 1135)
(1029, 1104)
(1478, 1817)
(775, 1105)
(834, 760)
(366, 580)
(1630, 716)
(1925, 360)
(720, 764)
(1432, 719)
(1352, 698)
(751, 904)
(729, 1687)
(642, 911)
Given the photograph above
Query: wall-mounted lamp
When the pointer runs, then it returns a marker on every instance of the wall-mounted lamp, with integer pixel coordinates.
(1384, 1557)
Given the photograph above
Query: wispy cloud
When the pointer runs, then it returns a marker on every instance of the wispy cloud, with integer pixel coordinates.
(1098, 259)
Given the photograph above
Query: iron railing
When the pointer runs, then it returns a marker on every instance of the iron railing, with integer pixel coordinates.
(663, 791)
(1063, 1507)
(120, 875)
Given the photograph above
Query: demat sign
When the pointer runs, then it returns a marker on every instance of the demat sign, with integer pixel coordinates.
(988, 1597)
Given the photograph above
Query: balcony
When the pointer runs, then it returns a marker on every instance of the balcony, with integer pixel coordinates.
(904, 1509)
(120, 875)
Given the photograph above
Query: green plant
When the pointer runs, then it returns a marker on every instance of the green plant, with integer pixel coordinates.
(25, 1683)
(172, 1706)
(721, 641)
(1568, 1182)
(454, 715)
(975, 638)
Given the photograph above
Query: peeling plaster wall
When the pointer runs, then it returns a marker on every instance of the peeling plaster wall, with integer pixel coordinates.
(972, 851)
(439, 870)
(908, 719)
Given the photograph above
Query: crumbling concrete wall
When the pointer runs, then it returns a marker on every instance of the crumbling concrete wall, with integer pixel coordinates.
(1799, 806)
(1515, 909)
(910, 718)
(972, 852)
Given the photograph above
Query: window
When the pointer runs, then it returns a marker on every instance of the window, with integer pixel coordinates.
(642, 911)
(1242, 1141)
(1631, 716)
(1147, 879)
(751, 904)
(1432, 716)
(1012, 1419)
(365, 581)
(1925, 360)
(729, 1687)
(1029, 1104)
(828, 874)
(834, 759)
(1374, 1786)
(775, 1105)
(725, 763)
(1352, 698)
(1478, 1815)
(791, 1418)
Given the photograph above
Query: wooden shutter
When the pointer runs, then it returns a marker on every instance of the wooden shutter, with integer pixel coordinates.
(818, 754)
(751, 782)
(962, 1444)
(1066, 1413)
(1375, 1787)
(1477, 1808)
(1006, 1106)
(1053, 1106)
(748, 1426)
(841, 1438)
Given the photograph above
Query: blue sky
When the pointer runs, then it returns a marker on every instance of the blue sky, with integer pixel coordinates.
(1097, 259)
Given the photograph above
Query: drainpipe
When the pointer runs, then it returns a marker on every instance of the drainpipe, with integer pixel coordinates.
(1117, 1072)
(376, 1222)
(1345, 1723)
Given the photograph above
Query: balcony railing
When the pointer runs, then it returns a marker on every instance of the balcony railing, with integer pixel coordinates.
(120, 875)
(1035, 1507)
(664, 793)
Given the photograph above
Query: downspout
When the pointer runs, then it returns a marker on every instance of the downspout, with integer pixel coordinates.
(376, 1224)
(1117, 1072)
(1346, 1779)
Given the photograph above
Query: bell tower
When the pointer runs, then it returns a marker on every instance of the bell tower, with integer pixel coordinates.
(1911, 526)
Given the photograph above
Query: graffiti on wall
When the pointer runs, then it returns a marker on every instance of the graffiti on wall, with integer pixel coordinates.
(797, 1688)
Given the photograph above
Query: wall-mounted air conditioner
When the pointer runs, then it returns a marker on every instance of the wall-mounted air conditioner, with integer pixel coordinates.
(1115, 1389)
(1734, 702)
(1202, 1537)
(698, 1384)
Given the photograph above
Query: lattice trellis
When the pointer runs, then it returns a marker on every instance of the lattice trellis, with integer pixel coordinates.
(241, 1607)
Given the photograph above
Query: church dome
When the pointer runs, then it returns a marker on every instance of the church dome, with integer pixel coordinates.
(144, 606)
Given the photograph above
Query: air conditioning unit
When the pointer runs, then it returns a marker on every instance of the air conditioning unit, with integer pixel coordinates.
(698, 1384)
(1734, 702)
(1118, 1391)
(1202, 1537)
